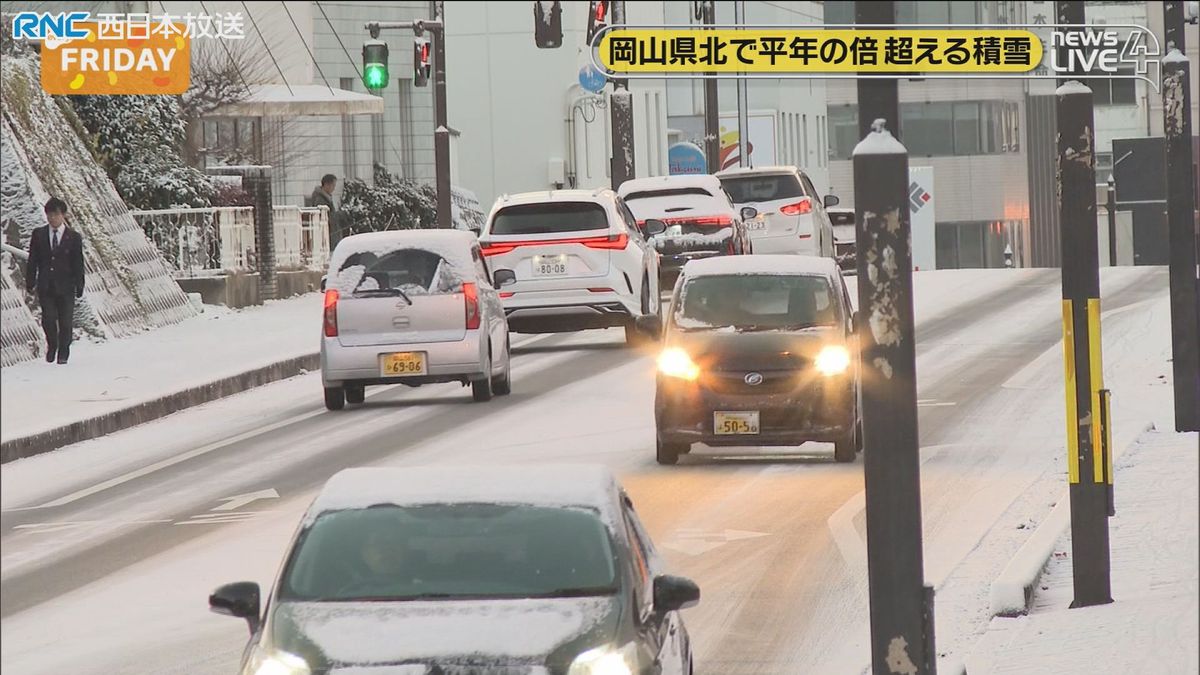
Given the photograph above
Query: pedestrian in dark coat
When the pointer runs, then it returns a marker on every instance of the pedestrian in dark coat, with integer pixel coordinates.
(55, 273)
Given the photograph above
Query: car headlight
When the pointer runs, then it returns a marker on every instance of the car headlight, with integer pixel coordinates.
(276, 663)
(606, 661)
(674, 362)
(833, 360)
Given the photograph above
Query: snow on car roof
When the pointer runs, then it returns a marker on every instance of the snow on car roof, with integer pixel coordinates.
(705, 181)
(577, 485)
(553, 196)
(761, 264)
(454, 247)
(756, 170)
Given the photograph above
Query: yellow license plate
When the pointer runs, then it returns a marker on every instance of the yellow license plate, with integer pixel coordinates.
(735, 423)
(402, 363)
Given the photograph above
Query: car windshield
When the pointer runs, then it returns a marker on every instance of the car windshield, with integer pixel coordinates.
(409, 271)
(448, 551)
(743, 189)
(749, 302)
(549, 218)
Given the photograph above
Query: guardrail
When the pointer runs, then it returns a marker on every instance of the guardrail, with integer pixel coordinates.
(222, 240)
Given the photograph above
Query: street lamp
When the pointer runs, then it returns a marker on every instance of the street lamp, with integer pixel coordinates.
(1111, 207)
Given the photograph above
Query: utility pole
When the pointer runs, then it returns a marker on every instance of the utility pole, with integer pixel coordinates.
(902, 639)
(1181, 205)
(1110, 207)
(712, 112)
(877, 98)
(901, 604)
(621, 103)
(441, 131)
(739, 18)
(1089, 464)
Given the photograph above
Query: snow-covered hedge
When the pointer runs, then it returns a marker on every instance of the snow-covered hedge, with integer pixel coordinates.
(392, 203)
(139, 142)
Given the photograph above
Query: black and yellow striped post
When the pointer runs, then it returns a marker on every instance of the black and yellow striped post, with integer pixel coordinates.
(1088, 468)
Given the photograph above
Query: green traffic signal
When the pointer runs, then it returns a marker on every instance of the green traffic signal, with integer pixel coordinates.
(375, 64)
(375, 75)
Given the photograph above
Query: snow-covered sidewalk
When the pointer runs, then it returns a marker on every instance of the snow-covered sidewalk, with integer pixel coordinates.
(1152, 624)
(105, 377)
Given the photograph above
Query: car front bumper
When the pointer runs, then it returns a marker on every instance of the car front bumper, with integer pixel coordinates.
(461, 360)
(803, 409)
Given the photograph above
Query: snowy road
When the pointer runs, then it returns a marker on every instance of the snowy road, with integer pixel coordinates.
(110, 547)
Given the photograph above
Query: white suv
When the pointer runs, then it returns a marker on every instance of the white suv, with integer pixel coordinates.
(791, 215)
(579, 258)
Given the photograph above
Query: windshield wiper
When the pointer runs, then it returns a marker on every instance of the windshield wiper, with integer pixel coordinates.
(395, 598)
(576, 592)
(383, 293)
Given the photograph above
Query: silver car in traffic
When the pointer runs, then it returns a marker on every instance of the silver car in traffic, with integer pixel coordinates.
(413, 307)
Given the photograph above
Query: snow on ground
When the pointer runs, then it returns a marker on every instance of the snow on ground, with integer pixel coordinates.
(1152, 624)
(107, 376)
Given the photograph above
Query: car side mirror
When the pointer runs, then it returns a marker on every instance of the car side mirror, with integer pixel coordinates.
(239, 599)
(503, 277)
(653, 227)
(324, 278)
(749, 213)
(649, 325)
(831, 200)
(673, 593)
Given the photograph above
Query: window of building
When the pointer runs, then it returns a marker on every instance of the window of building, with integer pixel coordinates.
(1114, 92)
(923, 127)
(937, 129)
(1104, 166)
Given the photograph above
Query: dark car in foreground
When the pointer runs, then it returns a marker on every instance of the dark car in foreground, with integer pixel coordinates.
(758, 351)
(456, 571)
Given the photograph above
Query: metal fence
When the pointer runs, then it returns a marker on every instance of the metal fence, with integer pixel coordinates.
(221, 240)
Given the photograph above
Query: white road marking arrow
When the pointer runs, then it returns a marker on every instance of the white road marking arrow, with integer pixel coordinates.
(238, 501)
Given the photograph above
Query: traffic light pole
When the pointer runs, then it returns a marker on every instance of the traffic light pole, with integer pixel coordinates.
(621, 104)
(712, 113)
(1181, 205)
(441, 132)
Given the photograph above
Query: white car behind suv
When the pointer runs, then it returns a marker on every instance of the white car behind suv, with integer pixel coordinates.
(412, 307)
(579, 259)
(791, 216)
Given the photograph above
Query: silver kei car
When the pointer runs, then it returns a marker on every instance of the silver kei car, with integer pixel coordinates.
(413, 307)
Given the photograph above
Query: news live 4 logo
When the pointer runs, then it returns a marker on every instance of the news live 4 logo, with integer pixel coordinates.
(83, 56)
(1108, 52)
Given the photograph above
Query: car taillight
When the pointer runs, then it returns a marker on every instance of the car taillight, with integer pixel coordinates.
(798, 209)
(723, 221)
(331, 299)
(600, 290)
(471, 300)
(490, 249)
(616, 242)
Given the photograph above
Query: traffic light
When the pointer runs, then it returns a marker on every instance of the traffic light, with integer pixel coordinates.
(547, 24)
(597, 18)
(375, 64)
(421, 65)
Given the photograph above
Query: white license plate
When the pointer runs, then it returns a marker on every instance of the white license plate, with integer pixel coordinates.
(756, 225)
(549, 265)
(735, 423)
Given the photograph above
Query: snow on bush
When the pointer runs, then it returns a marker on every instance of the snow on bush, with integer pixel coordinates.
(392, 203)
(139, 142)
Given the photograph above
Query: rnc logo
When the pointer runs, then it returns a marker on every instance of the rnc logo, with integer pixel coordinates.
(40, 25)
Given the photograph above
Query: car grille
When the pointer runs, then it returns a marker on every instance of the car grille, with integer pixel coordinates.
(734, 382)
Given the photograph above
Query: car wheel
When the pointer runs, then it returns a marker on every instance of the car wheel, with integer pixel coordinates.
(356, 394)
(335, 398)
(502, 384)
(481, 389)
(668, 453)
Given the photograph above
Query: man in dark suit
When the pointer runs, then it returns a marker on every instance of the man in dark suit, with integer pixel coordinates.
(55, 273)
(322, 195)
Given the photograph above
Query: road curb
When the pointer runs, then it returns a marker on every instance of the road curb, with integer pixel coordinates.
(1012, 591)
(94, 427)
